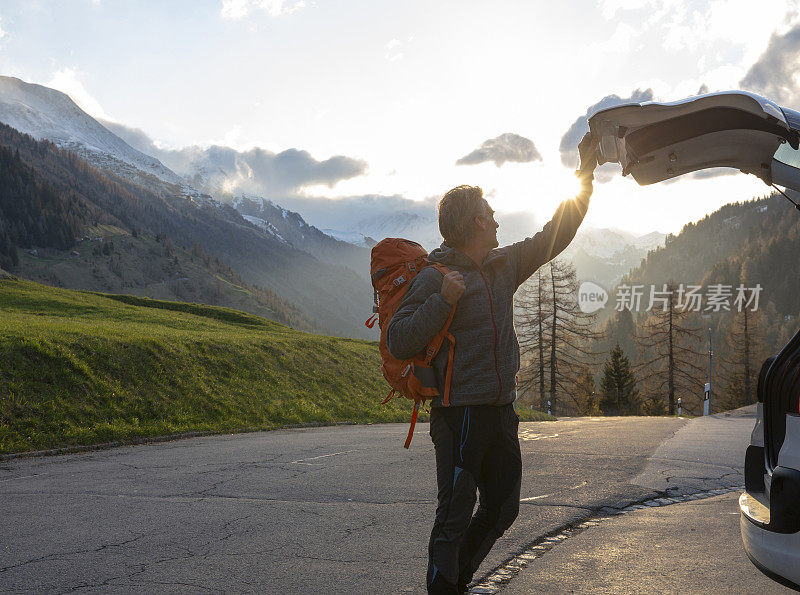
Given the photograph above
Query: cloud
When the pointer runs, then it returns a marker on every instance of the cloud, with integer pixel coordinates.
(705, 174)
(238, 9)
(774, 74)
(394, 49)
(570, 140)
(2, 33)
(135, 137)
(280, 177)
(620, 41)
(381, 216)
(361, 213)
(609, 8)
(68, 81)
(506, 147)
(217, 169)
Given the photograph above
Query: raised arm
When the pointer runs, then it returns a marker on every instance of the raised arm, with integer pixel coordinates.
(531, 253)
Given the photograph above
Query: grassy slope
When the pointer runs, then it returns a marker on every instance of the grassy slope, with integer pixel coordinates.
(84, 368)
(160, 270)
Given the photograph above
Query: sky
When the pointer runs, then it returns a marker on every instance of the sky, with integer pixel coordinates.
(425, 95)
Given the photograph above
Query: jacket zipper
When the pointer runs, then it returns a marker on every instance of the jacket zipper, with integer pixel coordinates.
(491, 315)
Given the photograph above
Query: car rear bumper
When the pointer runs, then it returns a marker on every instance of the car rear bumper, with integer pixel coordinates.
(776, 554)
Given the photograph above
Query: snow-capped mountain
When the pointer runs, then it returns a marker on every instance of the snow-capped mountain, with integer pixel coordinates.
(401, 224)
(425, 230)
(599, 255)
(266, 226)
(351, 237)
(282, 254)
(292, 229)
(606, 243)
(605, 255)
(47, 114)
(650, 241)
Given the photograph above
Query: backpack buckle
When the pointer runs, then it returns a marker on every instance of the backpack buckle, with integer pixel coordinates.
(399, 281)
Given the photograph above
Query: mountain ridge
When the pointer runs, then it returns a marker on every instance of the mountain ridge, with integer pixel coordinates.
(261, 260)
(48, 114)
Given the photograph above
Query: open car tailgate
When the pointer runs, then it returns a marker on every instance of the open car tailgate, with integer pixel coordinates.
(659, 141)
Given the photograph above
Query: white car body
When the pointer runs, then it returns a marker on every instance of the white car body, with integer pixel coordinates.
(770, 506)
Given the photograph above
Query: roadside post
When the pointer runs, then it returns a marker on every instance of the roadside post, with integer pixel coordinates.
(680, 408)
(707, 395)
(548, 408)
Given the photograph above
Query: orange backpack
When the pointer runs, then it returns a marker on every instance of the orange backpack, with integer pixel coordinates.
(395, 262)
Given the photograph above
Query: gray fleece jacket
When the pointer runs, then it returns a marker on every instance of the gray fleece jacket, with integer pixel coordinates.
(486, 359)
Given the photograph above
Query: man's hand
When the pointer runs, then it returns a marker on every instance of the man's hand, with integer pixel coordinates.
(587, 149)
(452, 287)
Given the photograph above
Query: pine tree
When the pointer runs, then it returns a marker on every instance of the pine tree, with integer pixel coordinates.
(618, 392)
(670, 364)
(745, 354)
(620, 328)
(534, 311)
(555, 336)
(585, 394)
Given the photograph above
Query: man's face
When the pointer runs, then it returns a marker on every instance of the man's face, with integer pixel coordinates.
(487, 226)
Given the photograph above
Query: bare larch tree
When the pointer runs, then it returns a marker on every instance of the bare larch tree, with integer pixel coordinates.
(555, 336)
(670, 356)
(745, 353)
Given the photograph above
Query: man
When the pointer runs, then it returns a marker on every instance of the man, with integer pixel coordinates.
(475, 437)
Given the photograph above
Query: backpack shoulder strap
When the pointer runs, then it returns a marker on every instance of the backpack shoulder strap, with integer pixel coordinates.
(438, 339)
(433, 347)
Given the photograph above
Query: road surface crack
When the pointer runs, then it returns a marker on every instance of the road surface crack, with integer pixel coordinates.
(57, 555)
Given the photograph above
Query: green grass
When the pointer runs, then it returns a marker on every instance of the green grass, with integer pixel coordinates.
(81, 368)
(526, 414)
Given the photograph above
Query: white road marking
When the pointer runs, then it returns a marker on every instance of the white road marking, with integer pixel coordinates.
(535, 497)
(530, 499)
(528, 436)
(333, 454)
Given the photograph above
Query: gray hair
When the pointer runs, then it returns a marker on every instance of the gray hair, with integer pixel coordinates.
(457, 209)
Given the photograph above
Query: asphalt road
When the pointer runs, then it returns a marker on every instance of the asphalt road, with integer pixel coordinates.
(336, 510)
(686, 547)
(692, 547)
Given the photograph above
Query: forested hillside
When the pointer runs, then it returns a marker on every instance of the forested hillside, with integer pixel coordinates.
(33, 212)
(750, 243)
(754, 244)
(688, 256)
(713, 303)
(52, 195)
